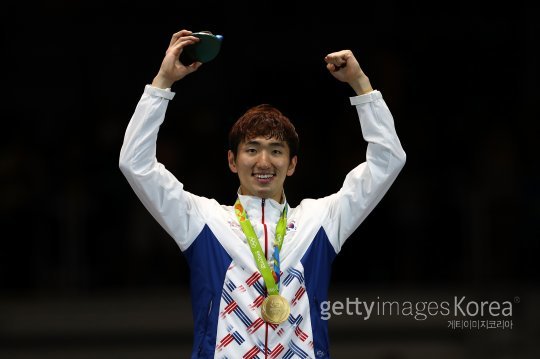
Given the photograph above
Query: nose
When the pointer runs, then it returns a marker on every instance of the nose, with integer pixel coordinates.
(263, 162)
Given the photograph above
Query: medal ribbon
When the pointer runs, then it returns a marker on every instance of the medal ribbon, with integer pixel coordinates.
(272, 283)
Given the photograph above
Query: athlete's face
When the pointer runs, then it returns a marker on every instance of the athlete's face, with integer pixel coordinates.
(262, 165)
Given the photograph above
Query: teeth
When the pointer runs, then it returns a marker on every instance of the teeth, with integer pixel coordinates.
(263, 176)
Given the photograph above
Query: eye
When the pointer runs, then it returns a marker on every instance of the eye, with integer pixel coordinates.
(251, 150)
(277, 152)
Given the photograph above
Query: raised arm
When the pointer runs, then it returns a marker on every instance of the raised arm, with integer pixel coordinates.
(366, 184)
(344, 67)
(172, 69)
(178, 211)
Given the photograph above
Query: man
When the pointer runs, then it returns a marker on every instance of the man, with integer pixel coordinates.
(260, 269)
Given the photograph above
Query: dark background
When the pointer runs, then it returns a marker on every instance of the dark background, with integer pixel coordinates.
(461, 81)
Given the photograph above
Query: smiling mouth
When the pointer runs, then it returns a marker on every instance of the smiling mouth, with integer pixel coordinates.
(263, 175)
(264, 178)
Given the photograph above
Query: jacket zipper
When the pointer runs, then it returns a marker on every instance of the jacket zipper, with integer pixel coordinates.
(266, 256)
(265, 232)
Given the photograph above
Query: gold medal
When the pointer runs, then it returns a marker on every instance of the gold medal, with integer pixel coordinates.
(275, 309)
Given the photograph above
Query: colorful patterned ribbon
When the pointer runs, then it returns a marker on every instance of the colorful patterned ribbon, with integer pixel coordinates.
(271, 278)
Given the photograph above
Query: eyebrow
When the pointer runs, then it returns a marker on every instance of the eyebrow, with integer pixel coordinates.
(272, 144)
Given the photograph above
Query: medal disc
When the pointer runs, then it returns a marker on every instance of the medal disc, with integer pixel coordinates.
(275, 309)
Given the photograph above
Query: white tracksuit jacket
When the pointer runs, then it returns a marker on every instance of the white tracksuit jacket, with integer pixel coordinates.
(227, 290)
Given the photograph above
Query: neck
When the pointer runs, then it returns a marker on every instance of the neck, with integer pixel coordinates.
(278, 197)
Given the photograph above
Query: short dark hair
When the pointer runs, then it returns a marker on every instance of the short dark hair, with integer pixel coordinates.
(267, 121)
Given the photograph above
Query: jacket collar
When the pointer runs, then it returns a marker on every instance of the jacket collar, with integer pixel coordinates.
(254, 208)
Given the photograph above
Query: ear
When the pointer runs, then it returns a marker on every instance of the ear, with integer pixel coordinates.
(292, 166)
(232, 162)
